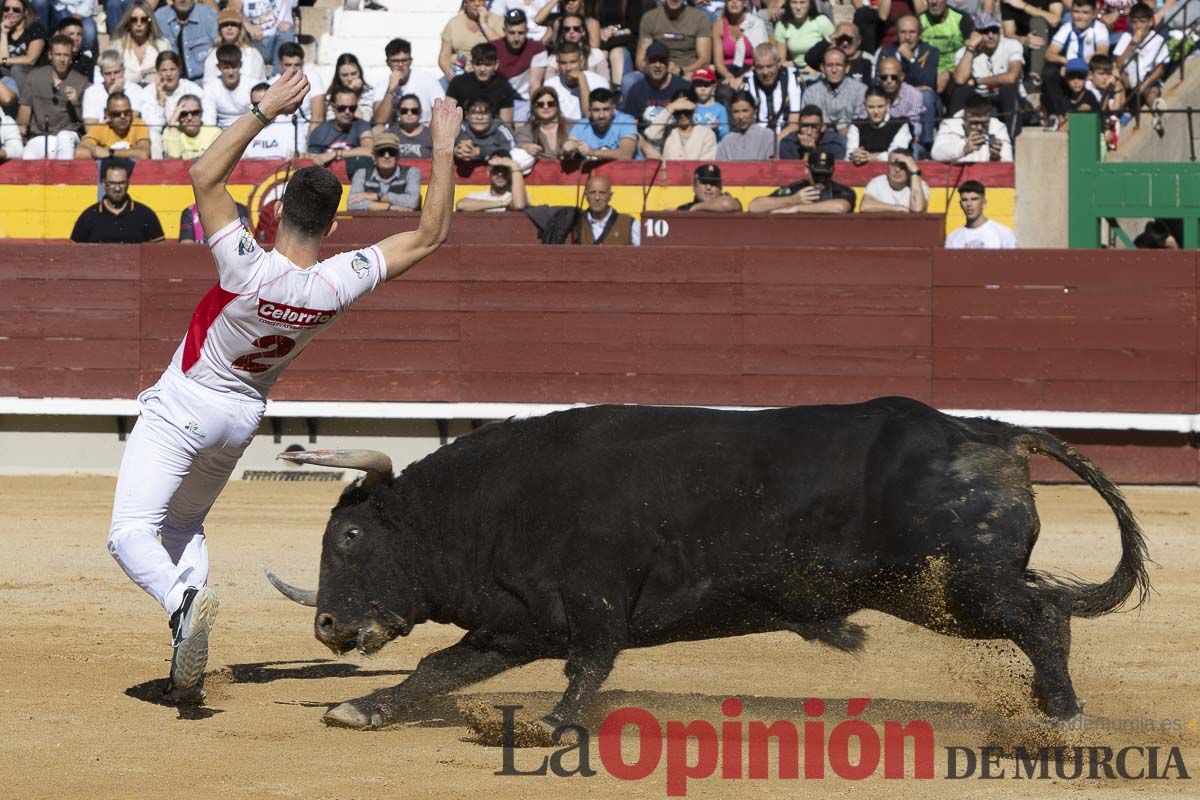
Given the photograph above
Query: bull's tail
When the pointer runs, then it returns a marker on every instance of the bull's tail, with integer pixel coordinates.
(1094, 599)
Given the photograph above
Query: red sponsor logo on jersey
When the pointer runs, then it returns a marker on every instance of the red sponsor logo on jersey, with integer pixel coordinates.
(286, 316)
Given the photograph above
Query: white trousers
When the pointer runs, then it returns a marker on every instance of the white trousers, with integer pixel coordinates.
(61, 146)
(186, 442)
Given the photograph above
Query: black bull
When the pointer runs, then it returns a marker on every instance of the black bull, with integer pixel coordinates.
(585, 532)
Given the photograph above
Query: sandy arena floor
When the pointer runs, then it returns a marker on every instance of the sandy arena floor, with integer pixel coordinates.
(84, 655)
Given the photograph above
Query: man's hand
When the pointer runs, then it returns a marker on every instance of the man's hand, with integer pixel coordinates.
(501, 161)
(974, 40)
(909, 163)
(734, 81)
(285, 95)
(445, 124)
(682, 104)
(975, 140)
(362, 196)
(906, 51)
(321, 159)
(1034, 42)
(71, 93)
(860, 156)
(809, 195)
(674, 69)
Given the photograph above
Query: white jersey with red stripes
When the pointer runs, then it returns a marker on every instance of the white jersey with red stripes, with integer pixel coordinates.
(265, 309)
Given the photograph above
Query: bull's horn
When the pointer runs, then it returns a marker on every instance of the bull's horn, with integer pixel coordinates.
(377, 465)
(305, 597)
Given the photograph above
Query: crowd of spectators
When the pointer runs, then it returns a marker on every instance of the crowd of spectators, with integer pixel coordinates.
(948, 80)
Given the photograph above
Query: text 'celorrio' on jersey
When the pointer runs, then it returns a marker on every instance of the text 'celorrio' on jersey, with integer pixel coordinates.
(264, 310)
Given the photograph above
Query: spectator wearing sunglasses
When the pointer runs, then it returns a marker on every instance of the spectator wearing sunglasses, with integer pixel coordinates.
(344, 136)
(413, 137)
(186, 136)
(119, 135)
(386, 186)
(544, 135)
(51, 115)
(904, 99)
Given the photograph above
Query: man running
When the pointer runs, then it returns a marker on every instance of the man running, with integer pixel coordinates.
(197, 420)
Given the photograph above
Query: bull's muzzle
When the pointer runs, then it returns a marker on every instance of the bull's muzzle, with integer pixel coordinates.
(326, 630)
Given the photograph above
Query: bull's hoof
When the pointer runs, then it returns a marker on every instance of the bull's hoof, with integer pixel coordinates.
(348, 715)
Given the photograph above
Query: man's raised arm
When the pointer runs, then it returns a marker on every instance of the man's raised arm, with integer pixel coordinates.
(403, 250)
(211, 171)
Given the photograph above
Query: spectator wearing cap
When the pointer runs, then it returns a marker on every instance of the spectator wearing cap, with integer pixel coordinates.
(606, 135)
(878, 135)
(989, 65)
(481, 82)
(746, 140)
(506, 188)
(839, 96)
(643, 99)
(120, 134)
(900, 190)
(386, 186)
(231, 29)
(846, 38)
(600, 223)
(228, 98)
(818, 195)
(685, 31)
(515, 51)
(190, 29)
(709, 196)
(682, 139)
(972, 135)
(117, 219)
(776, 94)
(186, 136)
(1081, 37)
(709, 112)
(527, 12)
(1079, 96)
(979, 232)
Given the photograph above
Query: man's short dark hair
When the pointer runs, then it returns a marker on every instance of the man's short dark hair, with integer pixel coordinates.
(68, 22)
(310, 200)
(876, 91)
(1100, 61)
(229, 54)
(567, 48)
(600, 96)
(904, 151)
(977, 104)
(1085, 3)
(165, 56)
(484, 53)
(1141, 11)
(258, 87)
(811, 110)
(972, 187)
(685, 94)
(290, 50)
(114, 163)
(60, 38)
(117, 96)
(397, 46)
(410, 96)
(477, 102)
(742, 96)
(341, 90)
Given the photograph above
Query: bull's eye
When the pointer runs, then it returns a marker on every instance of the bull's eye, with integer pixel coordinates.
(351, 534)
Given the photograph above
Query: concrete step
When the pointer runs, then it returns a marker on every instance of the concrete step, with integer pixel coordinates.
(370, 50)
(431, 17)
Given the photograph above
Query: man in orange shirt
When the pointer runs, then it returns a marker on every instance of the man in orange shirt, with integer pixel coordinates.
(119, 135)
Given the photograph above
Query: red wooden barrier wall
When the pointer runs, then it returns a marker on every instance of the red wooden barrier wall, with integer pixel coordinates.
(1088, 331)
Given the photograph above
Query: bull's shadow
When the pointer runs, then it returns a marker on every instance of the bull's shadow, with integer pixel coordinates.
(302, 669)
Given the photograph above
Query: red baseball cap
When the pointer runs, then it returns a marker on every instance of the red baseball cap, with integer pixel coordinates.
(704, 74)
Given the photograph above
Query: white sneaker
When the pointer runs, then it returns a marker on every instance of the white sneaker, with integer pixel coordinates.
(189, 637)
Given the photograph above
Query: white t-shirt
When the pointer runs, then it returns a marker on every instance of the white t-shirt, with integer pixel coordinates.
(879, 188)
(1139, 66)
(278, 140)
(95, 99)
(568, 104)
(985, 66)
(316, 88)
(990, 235)
(486, 194)
(426, 87)
(549, 62)
(1076, 45)
(223, 105)
(264, 310)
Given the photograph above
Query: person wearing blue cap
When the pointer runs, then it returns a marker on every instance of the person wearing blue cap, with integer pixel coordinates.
(989, 64)
(1079, 96)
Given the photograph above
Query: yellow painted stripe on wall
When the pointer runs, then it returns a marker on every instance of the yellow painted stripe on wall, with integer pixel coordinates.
(49, 212)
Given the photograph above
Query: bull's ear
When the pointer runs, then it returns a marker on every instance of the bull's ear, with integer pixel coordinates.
(377, 465)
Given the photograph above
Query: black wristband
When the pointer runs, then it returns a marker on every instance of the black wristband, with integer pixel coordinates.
(256, 111)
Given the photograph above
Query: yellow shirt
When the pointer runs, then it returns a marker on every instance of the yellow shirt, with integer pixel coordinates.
(178, 145)
(105, 136)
